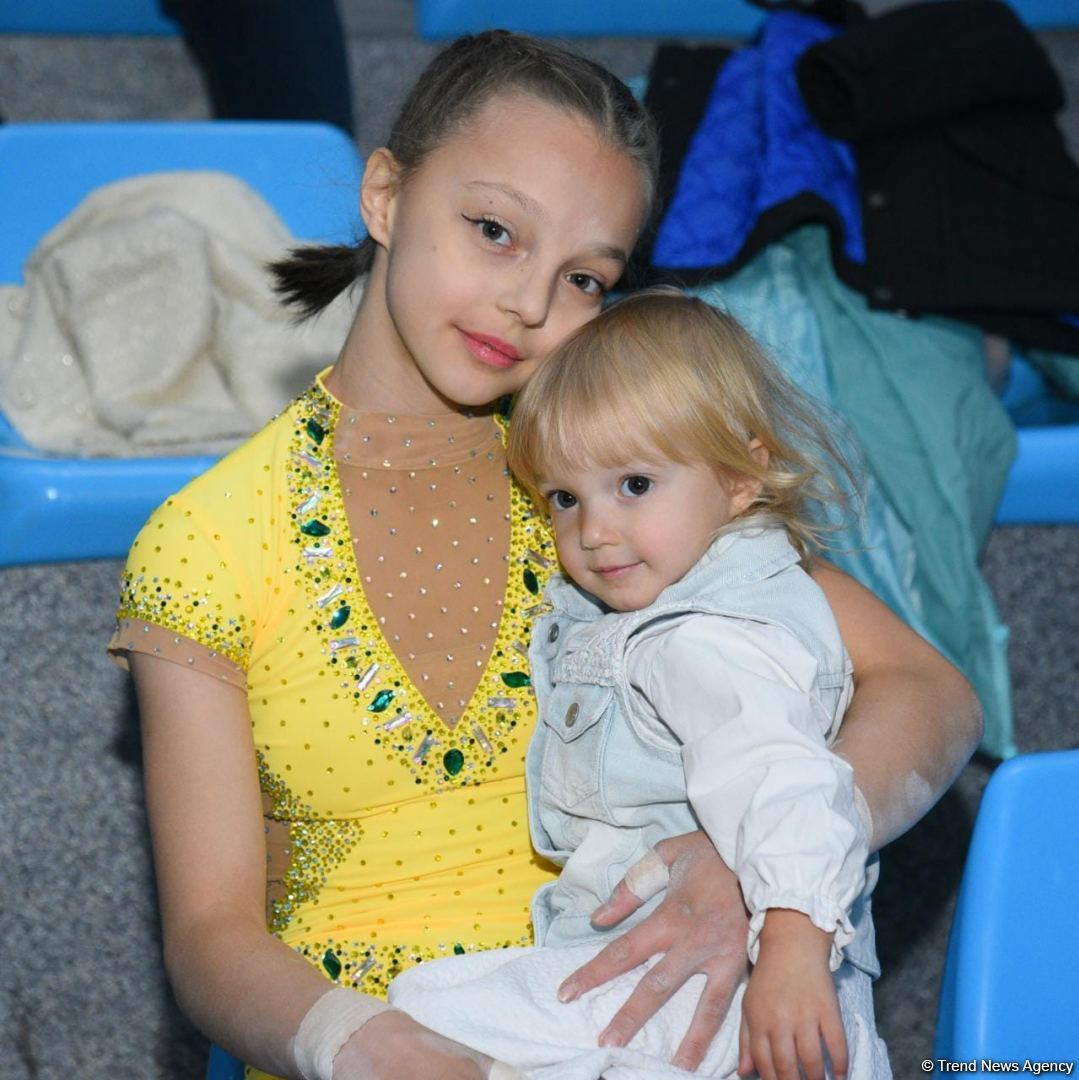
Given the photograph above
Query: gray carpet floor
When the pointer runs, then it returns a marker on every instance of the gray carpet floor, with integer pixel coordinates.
(81, 988)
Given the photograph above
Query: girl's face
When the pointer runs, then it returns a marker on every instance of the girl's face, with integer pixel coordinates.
(504, 241)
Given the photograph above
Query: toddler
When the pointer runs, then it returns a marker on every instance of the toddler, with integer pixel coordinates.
(689, 673)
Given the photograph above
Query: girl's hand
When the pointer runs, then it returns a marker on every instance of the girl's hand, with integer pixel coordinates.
(392, 1046)
(790, 1009)
(700, 927)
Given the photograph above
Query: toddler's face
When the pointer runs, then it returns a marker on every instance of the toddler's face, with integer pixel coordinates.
(626, 532)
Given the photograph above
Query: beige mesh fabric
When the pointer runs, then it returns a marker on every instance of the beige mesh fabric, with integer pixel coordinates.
(135, 635)
(428, 502)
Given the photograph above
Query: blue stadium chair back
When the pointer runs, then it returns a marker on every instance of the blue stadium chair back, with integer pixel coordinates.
(646, 18)
(80, 17)
(57, 508)
(1011, 981)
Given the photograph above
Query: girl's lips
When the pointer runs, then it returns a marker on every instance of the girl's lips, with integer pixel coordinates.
(491, 350)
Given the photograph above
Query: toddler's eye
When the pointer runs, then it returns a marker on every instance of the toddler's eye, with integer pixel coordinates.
(634, 485)
(561, 500)
(587, 284)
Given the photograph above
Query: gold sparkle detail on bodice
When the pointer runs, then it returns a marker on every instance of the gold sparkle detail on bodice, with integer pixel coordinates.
(390, 710)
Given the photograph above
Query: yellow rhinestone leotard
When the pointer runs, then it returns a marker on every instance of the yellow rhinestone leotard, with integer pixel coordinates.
(370, 581)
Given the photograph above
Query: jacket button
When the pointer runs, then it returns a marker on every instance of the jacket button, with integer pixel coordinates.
(552, 634)
(571, 714)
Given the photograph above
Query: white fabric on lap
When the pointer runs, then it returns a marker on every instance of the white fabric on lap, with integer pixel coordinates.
(504, 1003)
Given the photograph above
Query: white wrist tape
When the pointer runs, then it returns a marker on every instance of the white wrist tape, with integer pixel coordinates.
(647, 876)
(327, 1026)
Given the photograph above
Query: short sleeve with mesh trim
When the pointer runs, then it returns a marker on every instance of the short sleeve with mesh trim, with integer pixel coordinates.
(203, 566)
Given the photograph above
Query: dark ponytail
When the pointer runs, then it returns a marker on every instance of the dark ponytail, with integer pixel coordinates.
(311, 278)
(456, 84)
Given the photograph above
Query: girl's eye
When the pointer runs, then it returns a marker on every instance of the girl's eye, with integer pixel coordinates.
(561, 500)
(587, 284)
(634, 485)
(492, 231)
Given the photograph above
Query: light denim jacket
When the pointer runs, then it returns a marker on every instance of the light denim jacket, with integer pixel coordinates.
(711, 708)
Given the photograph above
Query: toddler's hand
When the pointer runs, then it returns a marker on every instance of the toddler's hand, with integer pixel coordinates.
(790, 1008)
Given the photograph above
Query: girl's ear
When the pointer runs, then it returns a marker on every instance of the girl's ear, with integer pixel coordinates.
(380, 182)
(746, 489)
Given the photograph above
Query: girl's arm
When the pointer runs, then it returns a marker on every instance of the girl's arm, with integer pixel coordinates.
(913, 723)
(241, 986)
(914, 720)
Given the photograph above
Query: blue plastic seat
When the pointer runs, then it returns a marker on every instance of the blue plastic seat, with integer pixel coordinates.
(645, 18)
(1011, 980)
(56, 508)
(79, 17)
(223, 1066)
(624, 18)
(1043, 485)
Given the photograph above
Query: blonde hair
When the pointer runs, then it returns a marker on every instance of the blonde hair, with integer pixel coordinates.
(662, 371)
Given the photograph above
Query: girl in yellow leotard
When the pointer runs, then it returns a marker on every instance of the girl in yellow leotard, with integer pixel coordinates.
(328, 629)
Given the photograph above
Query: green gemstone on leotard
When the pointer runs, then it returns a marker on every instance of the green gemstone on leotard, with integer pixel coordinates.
(516, 679)
(530, 580)
(340, 617)
(331, 963)
(453, 761)
(381, 701)
(314, 527)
